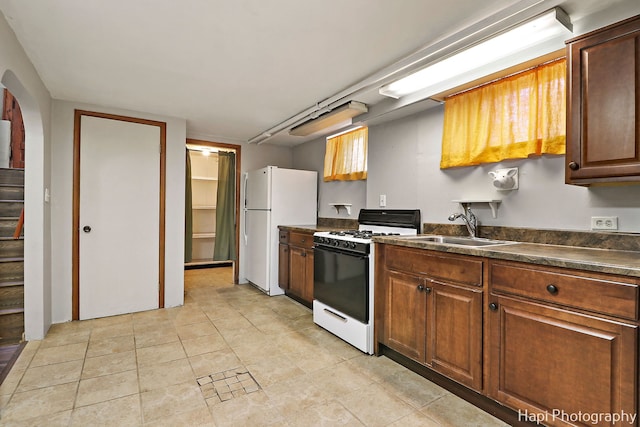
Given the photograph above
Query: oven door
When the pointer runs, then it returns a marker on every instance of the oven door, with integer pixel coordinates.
(341, 281)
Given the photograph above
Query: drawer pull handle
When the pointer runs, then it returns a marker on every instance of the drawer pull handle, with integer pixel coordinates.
(552, 289)
(493, 306)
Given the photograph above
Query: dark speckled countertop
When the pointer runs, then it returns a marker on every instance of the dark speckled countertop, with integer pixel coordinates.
(305, 228)
(611, 261)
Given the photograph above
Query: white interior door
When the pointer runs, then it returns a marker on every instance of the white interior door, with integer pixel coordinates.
(119, 217)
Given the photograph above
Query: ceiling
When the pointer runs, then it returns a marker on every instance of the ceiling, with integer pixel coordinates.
(235, 68)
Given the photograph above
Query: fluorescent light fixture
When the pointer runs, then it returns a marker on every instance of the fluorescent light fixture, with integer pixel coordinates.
(330, 119)
(550, 28)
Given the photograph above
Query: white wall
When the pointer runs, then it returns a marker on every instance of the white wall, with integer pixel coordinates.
(20, 77)
(61, 203)
(310, 156)
(404, 159)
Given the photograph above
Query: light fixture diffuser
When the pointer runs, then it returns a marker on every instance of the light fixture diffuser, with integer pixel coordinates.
(329, 119)
(486, 57)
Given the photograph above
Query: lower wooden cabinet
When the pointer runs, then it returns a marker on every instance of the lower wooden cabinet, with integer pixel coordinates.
(295, 265)
(554, 364)
(436, 323)
(556, 345)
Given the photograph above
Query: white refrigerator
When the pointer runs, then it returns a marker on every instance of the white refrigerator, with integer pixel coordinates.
(274, 196)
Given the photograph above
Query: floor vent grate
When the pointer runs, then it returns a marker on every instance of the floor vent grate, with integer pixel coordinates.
(223, 386)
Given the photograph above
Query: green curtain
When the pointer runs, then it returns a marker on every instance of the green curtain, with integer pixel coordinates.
(225, 246)
(188, 212)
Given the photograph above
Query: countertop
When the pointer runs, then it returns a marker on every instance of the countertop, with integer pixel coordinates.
(306, 228)
(626, 263)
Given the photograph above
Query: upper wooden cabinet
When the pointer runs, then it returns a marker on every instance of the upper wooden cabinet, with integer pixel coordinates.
(603, 102)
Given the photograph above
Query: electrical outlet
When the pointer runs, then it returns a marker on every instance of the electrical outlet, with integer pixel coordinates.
(604, 222)
(383, 200)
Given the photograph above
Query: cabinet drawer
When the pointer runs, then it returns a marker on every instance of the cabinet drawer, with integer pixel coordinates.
(456, 268)
(283, 236)
(615, 296)
(304, 240)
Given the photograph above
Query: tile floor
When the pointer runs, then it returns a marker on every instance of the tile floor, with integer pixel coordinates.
(162, 367)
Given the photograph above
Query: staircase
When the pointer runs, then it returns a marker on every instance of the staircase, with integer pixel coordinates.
(11, 265)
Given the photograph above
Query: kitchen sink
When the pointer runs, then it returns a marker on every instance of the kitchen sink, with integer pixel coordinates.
(459, 240)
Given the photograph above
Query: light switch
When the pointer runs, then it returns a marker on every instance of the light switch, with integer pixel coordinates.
(383, 200)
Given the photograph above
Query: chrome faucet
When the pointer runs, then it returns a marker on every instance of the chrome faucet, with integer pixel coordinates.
(469, 219)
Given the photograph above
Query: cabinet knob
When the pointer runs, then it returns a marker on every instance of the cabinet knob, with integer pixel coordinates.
(574, 166)
(493, 306)
(420, 288)
(427, 290)
(552, 289)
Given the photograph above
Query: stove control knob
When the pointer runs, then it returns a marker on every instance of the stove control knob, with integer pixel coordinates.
(336, 243)
(353, 245)
(345, 244)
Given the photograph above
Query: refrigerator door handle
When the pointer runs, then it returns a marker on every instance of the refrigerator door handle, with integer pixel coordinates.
(244, 232)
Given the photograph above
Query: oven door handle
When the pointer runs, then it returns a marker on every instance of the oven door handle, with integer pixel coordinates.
(341, 252)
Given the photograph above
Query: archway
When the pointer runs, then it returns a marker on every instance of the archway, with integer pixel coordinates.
(37, 295)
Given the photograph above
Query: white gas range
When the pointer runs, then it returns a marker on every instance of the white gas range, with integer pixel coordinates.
(343, 296)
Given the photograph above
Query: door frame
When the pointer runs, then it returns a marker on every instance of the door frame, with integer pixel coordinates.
(75, 245)
(238, 150)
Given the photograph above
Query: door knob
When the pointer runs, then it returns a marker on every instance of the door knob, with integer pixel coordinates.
(86, 229)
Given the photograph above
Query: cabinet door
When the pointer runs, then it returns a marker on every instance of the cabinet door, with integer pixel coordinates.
(297, 270)
(603, 127)
(283, 266)
(454, 335)
(545, 359)
(405, 315)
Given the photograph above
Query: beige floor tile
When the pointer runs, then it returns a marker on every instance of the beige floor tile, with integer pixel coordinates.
(11, 382)
(165, 374)
(70, 328)
(195, 330)
(375, 407)
(198, 417)
(121, 412)
(289, 397)
(109, 364)
(274, 369)
(253, 409)
(116, 330)
(340, 380)
(416, 419)
(155, 337)
(451, 411)
(160, 353)
(251, 353)
(211, 363)
(376, 368)
(230, 324)
(413, 389)
(101, 389)
(110, 346)
(188, 316)
(59, 419)
(205, 344)
(50, 375)
(63, 353)
(219, 311)
(326, 414)
(296, 342)
(60, 338)
(171, 401)
(26, 356)
(319, 359)
(42, 401)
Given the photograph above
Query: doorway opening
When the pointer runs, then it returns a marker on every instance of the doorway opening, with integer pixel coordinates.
(212, 205)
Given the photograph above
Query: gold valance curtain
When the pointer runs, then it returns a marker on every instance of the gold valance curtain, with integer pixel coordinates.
(512, 118)
(345, 157)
